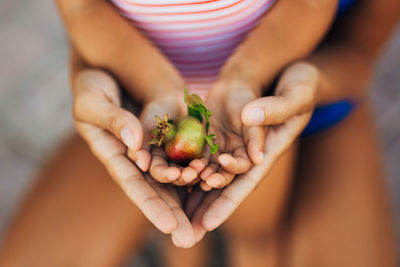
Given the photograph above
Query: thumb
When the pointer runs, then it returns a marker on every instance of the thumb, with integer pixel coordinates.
(296, 92)
(267, 111)
(96, 102)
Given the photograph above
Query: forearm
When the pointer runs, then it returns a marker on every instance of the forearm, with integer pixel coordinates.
(289, 32)
(344, 73)
(105, 39)
(346, 62)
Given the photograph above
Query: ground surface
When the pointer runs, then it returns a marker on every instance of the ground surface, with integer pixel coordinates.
(35, 102)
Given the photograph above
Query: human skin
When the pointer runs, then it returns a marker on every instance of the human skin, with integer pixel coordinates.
(83, 19)
(334, 64)
(95, 209)
(356, 47)
(93, 47)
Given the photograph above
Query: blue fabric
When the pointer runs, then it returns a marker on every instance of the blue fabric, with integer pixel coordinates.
(326, 116)
(344, 5)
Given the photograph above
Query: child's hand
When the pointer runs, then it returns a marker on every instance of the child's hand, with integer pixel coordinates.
(159, 167)
(239, 146)
(295, 96)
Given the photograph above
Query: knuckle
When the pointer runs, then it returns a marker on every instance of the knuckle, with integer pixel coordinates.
(118, 118)
(284, 110)
(125, 115)
(113, 122)
(306, 67)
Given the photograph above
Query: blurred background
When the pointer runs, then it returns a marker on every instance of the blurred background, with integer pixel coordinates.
(35, 103)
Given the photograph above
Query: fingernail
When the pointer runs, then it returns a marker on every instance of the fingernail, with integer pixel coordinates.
(127, 137)
(223, 161)
(255, 115)
(141, 164)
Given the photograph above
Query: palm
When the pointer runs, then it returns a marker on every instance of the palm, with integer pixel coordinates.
(232, 137)
(286, 115)
(161, 168)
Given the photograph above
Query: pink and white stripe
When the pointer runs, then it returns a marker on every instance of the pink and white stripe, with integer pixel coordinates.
(196, 35)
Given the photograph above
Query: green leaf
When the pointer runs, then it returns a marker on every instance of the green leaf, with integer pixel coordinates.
(195, 113)
(210, 141)
(197, 108)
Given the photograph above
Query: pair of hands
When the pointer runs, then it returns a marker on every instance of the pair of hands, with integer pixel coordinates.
(244, 125)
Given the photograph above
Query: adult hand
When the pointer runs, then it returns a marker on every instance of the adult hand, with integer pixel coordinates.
(109, 130)
(286, 114)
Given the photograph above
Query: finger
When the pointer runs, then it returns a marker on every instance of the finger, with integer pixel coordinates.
(212, 167)
(230, 199)
(142, 159)
(295, 95)
(220, 179)
(111, 153)
(280, 137)
(179, 181)
(254, 137)
(159, 168)
(183, 235)
(98, 81)
(205, 187)
(237, 163)
(188, 175)
(209, 170)
(278, 140)
(92, 106)
(198, 228)
(199, 164)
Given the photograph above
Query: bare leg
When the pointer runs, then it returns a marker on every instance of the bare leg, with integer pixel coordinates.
(253, 231)
(341, 215)
(181, 257)
(74, 216)
(252, 236)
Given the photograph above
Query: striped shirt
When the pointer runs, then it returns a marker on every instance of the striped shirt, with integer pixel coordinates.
(197, 36)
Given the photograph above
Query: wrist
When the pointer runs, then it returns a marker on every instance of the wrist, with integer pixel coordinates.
(164, 90)
(242, 73)
(234, 82)
(171, 100)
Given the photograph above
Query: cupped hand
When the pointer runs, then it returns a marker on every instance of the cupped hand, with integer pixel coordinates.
(240, 146)
(109, 130)
(161, 168)
(286, 114)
